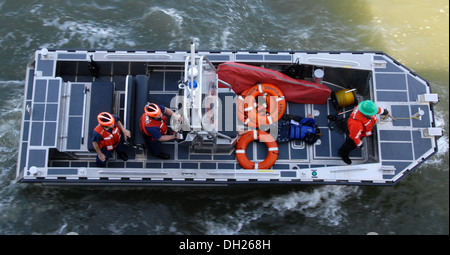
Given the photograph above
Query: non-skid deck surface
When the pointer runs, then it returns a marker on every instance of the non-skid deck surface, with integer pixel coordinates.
(398, 89)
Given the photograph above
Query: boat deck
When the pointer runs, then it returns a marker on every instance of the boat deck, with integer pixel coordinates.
(61, 100)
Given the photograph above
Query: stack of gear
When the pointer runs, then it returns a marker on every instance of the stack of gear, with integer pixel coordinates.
(254, 113)
(242, 79)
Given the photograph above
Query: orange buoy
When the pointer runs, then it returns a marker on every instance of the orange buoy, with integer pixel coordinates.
(242, 109)
(276, 104)
(262, 136)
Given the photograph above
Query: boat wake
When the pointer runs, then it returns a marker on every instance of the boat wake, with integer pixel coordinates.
(321, 205)
(442, 144)
(95, 35)
(10, 116)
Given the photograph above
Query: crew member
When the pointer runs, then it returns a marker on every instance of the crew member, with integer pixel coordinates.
(106, 138)
(360, 124)
(153, 125)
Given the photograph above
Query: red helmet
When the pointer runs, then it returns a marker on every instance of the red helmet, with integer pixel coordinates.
(105, 119)
(152, 110)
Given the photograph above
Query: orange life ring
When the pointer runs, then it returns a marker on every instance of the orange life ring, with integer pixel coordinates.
(276, 104)
(242, 109)
(262, 136)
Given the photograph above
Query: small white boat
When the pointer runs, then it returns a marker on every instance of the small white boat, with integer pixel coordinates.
(65, 90)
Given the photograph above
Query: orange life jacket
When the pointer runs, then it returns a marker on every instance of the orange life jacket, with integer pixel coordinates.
(359, 126)
(146, 121)
(110, 140)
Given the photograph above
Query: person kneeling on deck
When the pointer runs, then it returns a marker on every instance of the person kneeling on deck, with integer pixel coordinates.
(107, 137)
(360, 124)
(153, 125)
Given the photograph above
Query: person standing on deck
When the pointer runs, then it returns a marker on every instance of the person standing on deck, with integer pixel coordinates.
(153, 125)
(360, 124)
(106, 138)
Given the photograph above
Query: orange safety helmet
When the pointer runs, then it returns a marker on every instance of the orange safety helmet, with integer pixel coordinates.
(152, 110)
(105, 119)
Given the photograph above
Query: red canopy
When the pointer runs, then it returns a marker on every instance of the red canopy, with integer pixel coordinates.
(242, 76)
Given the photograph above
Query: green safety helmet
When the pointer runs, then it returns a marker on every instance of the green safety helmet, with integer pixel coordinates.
(368, 107)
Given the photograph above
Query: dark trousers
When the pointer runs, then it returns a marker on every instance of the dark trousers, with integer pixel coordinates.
(120, 147)
(154, 146)
(347, 147)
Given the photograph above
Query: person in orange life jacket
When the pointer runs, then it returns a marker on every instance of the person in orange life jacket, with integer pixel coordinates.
(106, 138)
(360, 124)
(153, 125)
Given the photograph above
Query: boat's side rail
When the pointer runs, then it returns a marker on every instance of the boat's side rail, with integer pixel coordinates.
(366, 174)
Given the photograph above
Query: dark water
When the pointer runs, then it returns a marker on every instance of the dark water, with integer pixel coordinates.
(415, 32)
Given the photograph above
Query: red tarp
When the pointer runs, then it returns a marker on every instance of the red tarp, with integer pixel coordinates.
(242, 76)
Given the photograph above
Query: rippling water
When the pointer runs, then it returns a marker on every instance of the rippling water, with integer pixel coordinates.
(414, 32)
